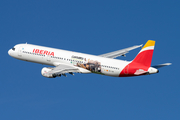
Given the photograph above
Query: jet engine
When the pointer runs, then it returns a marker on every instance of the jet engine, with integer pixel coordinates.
(45, 70)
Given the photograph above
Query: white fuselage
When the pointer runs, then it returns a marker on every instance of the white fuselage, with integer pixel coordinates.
(54, 57)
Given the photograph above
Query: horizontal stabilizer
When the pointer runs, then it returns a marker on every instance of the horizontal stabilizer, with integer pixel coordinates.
(161, 65)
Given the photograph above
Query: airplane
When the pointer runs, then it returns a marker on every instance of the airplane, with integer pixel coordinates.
(75, 62)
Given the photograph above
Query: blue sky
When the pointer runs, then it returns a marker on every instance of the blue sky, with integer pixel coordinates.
(94, 27)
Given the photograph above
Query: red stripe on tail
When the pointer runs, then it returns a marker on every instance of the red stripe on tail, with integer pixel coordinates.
(139, 65)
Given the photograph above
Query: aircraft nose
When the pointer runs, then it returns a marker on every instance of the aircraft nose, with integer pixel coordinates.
(9, 52)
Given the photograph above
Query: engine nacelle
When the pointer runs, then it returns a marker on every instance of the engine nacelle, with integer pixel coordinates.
(44, 72)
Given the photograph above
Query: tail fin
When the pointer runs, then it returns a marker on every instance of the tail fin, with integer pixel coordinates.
(144, 57)
(142, 62)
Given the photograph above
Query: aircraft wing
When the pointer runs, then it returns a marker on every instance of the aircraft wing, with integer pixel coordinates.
(60, 70)
(121, 52)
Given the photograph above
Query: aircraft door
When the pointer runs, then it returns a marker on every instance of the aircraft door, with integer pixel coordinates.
(20, 51)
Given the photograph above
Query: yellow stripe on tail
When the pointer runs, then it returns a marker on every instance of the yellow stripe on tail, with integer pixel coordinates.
(149, 43)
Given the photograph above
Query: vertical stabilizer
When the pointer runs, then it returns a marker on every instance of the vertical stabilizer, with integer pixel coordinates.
(142, 62)
(144, 57)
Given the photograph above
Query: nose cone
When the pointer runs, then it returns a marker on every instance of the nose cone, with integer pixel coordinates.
(9, 52)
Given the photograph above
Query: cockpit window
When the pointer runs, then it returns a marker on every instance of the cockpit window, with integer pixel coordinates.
(13, 49)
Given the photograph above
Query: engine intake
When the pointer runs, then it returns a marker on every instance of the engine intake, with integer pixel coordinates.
(46, 70)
